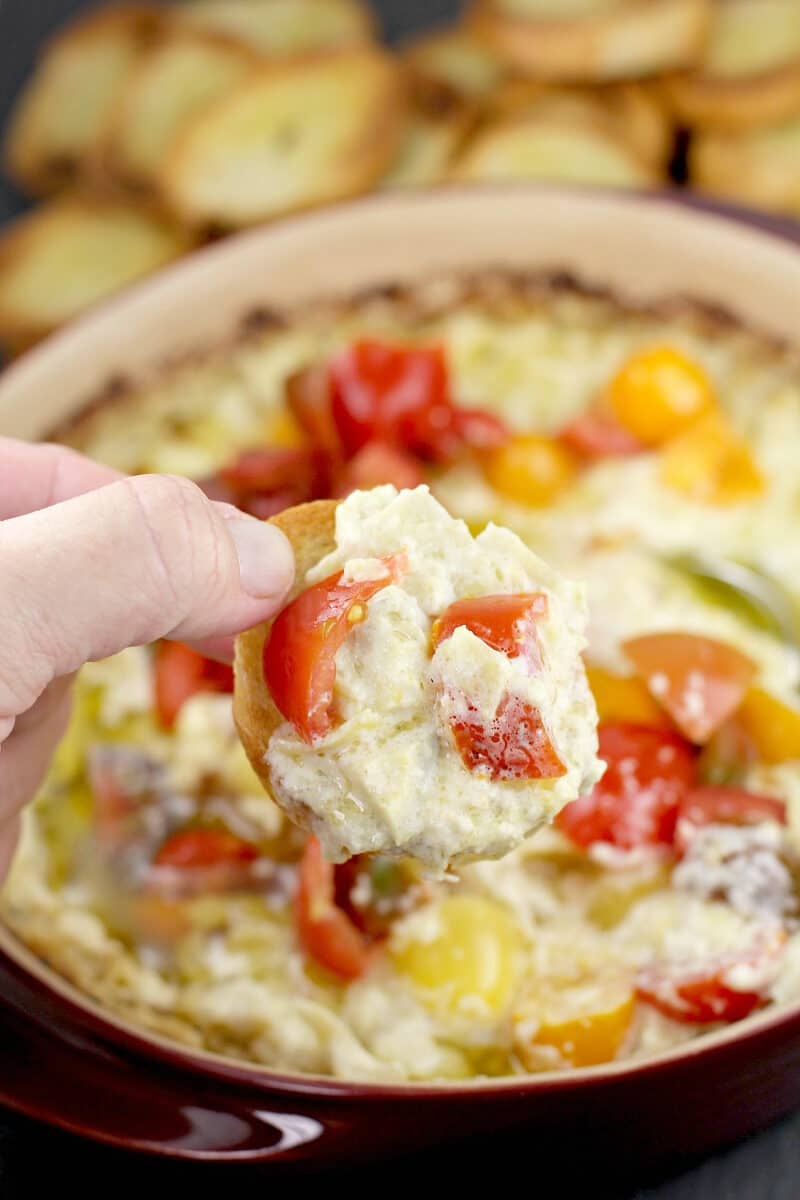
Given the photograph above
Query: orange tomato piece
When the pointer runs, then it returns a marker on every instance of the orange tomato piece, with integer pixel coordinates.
(699, 681)
(712, 464)
(530, 469)
(658, 393)
(586, 1022)
(325, 931)
(773, 727)
(624, 698)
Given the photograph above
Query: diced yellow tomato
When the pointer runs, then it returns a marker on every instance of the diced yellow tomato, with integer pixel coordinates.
(468, 958)
(712, 464)
(658, 393)
(585, 1022)
(699, 681)
(774, 727)
(624, 698)
(531, 469)
(282, 429)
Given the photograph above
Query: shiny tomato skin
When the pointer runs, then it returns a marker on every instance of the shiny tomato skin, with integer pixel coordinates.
(594, 436)
(378, 463)
(506, 622)
(724, 806)
(181, 673)
(300, 652)
(325, 932)
(514, 745)
(697, 680)
(191, 848)
(636, 803)
(382, 392)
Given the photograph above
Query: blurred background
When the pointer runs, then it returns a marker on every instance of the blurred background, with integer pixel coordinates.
(134, 132)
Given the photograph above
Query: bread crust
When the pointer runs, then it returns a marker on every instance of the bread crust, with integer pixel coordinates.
(118, 155)
(755, 168)
(311, 530)
(59, 222)
(202, 180)
(629, 41)
(33, 160)
(743, 100)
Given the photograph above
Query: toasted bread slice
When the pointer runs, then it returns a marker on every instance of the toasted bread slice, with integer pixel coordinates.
(179, 79)
(71, 253)
(629, 111)
(556, 150)
(278, 28)
(290, 137)
(596, 39)
(311, 530)
(455, 58)
(62, 112)
(749, 75)
(438, 124)
(761, 168)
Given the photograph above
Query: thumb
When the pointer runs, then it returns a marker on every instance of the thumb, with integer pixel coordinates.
(143, 558)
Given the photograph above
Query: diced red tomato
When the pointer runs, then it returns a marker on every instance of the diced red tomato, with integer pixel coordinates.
(635, 804)
(308, 397)
(378, 463)
(697, 680)
(705, 994)
(190, 848)
(382, 392)
(326, 933)
(300, 653)
(181, 673)
(265, 480)
(504, 622)
(724, 806)
(596, 435)
(264, 469)
(514, 745)
(400, 396)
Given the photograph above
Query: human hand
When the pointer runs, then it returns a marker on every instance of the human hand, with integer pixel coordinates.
(92, 562)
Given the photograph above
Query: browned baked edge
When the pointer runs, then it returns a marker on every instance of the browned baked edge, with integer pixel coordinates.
(500, 291)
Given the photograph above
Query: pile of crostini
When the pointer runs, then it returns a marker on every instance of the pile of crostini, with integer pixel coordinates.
(147, 129)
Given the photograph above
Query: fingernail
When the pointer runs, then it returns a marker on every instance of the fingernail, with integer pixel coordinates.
(266, 562)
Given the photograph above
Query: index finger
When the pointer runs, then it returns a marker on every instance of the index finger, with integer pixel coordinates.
(37, 475)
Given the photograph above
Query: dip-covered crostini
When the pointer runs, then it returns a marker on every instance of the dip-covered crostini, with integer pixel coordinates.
(423, 692)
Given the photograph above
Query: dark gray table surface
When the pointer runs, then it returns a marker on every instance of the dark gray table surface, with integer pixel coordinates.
(34, 1158)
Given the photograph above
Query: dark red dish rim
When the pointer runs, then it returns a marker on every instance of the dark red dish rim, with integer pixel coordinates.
(64, 1063)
